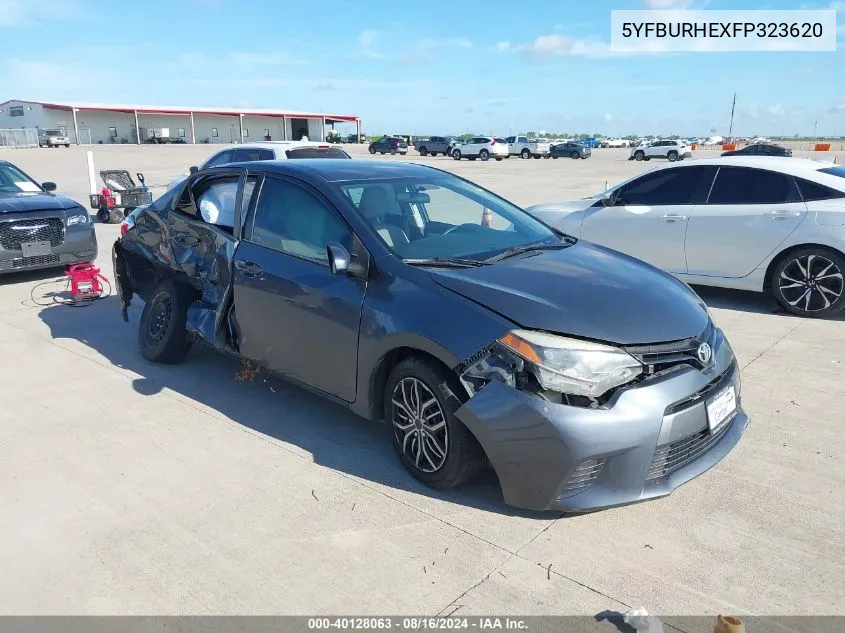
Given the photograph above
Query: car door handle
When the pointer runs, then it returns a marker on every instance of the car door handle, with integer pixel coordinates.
(782, 214)
(248, 269)
(672, 217)
(189, 240)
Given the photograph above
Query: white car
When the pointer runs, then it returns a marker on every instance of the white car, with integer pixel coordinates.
(269, 150)
(671, 150)
(483, 147)
(752, 223)
(615, 142)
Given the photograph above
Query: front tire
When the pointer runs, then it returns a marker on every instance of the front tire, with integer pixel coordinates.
(809, 282)
(393, 152)
(456, 154)
(103, 215)
(162, 336)
(372, 150)
(424, 152)
(640, 155)
(525, 153)
(574, 155)
(432, 444)
(672, 156)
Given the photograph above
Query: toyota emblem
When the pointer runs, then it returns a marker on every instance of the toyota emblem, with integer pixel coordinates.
(705, 353)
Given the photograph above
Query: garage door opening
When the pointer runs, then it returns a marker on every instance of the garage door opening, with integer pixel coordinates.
(299, 128)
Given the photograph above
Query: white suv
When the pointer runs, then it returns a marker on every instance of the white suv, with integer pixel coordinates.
(483, 147)
(672, 150)
(270, 150)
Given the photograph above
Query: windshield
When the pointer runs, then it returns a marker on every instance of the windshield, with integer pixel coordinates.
(52, 133)
(13, 180)
(443, 217)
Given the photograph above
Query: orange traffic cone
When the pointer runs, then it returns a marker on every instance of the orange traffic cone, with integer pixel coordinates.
(728, 624)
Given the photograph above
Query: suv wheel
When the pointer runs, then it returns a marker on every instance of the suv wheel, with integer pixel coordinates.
(672, 156)
(639, 155)
(526, 153)
(424, 151)
(484, 154)
(393, 151)
(574, 155)
(372, 150)
(162, 336)
(432, 444)
(456, 154)
(809, 282)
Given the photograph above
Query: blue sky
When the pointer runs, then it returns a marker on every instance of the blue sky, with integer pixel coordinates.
(416, 67)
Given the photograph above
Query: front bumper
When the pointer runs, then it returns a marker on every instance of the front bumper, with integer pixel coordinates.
(78, 247)
(642, 446)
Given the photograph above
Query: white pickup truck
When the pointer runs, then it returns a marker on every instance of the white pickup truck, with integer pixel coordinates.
(527, 147)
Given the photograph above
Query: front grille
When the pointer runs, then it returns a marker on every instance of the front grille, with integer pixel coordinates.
(670, 457)
(15, 232)
(586, 473)
(26, 262)
(662, 356)
(719, 382)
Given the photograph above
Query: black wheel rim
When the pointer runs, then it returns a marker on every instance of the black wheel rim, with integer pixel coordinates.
(419, 425)
(158, 323)
(811, 283)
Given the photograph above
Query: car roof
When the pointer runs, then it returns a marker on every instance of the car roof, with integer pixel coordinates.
(792, 166)
(274, 145)
(340, 169)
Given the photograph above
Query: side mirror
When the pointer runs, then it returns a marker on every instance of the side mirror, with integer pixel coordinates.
(48, 186)
(194, 169)
(608, 198)
(338, 258)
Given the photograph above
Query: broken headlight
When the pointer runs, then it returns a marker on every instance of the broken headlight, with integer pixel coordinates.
(571, 366)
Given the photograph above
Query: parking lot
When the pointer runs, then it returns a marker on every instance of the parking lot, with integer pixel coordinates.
(134, 488)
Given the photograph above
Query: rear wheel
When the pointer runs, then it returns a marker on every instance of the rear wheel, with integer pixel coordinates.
(484, 154)
(432, 444)
(393, 151)
(809, 282)
(162, 336)
(672, 156)
(103, 215)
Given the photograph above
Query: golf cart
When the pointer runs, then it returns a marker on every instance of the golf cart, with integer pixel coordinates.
(119, 196)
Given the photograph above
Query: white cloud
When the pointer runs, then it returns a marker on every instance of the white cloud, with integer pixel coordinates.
(264, 59)
(366, 39)
(837, 108)
(555, 45)
(504, 47)
(755, 111)
(30, 12)
(426, 49)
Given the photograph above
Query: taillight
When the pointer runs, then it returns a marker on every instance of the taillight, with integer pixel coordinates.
(123, 228)
(493, 142)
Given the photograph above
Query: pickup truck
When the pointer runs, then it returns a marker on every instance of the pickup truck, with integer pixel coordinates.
(527, 147)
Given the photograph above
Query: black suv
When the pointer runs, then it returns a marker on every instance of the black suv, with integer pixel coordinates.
(389, 144)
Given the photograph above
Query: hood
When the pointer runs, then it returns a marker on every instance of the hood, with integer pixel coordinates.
(23, 202)
(586, 291)
(569, 206)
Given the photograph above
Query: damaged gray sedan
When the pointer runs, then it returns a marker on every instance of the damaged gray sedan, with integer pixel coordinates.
(585, 378)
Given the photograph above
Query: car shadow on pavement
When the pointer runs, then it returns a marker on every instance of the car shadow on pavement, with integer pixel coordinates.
(328, 433)
(744, 301)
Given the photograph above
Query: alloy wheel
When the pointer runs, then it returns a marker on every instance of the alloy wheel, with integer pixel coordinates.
(420, 425)
(811, 283)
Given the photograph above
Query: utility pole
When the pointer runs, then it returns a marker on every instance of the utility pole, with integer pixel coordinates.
(731, 128)
(816, 131)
